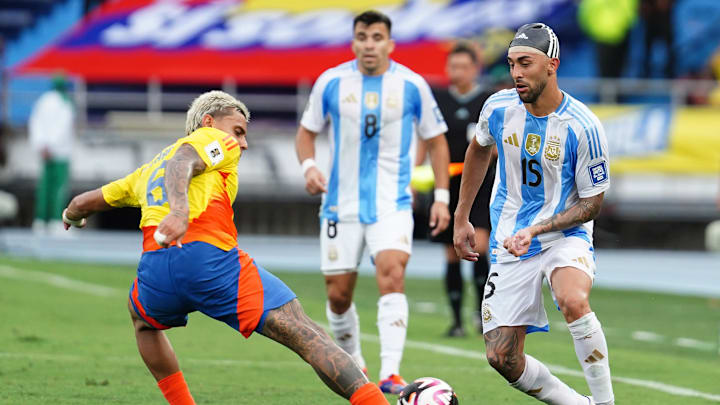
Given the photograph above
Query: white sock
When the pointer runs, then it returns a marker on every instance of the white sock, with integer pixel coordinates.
(392, 322)
(537, 382)
(592, 352)
(346, 329)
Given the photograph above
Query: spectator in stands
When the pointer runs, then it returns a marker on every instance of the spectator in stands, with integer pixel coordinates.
(52, 131)
(658, 26)
(608, 23)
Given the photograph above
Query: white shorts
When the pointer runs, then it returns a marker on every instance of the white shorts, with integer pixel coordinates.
(513, 292)
(342, 243)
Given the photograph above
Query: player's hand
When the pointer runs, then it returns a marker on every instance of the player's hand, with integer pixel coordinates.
(71, 220)
(439, 217)
(172, 229)
(315, 182)
(518, 244)
(464, 240)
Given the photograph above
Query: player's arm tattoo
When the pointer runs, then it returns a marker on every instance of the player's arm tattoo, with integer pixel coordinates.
(180, 169)
(505, 352)
(585, 210)
(290, 326)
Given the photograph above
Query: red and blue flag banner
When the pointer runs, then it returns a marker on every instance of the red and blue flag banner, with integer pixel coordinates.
(264, 41)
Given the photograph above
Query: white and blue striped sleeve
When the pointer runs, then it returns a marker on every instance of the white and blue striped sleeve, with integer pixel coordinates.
(592, 172)
(314, 117)
(482, 129)
(431, 122)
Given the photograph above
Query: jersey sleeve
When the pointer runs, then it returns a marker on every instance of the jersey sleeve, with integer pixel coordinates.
(431, 122)
(592, 171)
(315, 116)
(483, 134)
(217, 149)
(120, 193)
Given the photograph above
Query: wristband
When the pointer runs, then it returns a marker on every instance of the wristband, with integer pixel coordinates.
(307, 164)
(442, 195)
(78, 223)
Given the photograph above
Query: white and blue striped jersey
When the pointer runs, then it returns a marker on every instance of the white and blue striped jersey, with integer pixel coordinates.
(545, 164)
(373, 123)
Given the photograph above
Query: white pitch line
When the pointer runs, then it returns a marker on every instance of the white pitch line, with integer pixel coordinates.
(59, 281)
(104, 291)
(645, 336)
(695, 344)
(284, 364)
(477, 355)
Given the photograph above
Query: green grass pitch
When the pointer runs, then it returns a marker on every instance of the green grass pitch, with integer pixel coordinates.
(64, 341)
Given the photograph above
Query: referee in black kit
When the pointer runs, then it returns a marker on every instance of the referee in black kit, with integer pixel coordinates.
(460, 105)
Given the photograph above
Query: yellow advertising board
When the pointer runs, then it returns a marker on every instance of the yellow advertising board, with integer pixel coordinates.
(662, 139)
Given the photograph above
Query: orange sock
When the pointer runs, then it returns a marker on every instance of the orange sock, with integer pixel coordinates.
(175, 389)
(368, 394)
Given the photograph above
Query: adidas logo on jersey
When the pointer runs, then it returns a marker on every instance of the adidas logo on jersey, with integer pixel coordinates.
(350, 99)
(512, 140)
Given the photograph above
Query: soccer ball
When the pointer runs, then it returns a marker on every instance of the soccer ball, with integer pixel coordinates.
(428, 391)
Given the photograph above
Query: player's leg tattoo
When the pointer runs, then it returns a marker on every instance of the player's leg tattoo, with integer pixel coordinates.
(290, 326)
(504, 347)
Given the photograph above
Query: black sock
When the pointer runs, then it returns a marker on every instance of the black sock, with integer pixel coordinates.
(454, 289)
(480, 275)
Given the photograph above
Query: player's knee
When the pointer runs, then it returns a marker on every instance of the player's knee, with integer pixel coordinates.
(340, 299)
(391, 281)
(573, 306)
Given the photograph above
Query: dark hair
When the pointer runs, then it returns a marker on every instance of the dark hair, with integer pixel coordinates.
(462, 47)
(371, 17)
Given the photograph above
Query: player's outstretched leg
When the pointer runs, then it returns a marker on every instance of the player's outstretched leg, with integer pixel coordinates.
(572, 287)
(290, 326)
(504, 346)
(159, 357)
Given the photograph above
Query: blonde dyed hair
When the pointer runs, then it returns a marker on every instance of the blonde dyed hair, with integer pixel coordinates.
(216, 103)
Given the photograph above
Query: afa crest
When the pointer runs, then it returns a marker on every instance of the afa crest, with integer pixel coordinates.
(372, 100)
(332, 253)
(486, 314)
(552, 149)
(532, 143)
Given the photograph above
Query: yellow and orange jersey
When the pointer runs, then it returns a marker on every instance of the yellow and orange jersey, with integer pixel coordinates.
(210, 194)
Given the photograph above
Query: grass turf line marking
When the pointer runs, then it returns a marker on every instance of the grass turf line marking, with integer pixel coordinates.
(477, 355)
(59, 281)
(645, 336)
(104, 291)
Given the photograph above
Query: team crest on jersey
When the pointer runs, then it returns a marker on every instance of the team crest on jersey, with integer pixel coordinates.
(486, 315)
(552, 148)
(332, 253)
(532, 143)
(372, 100)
